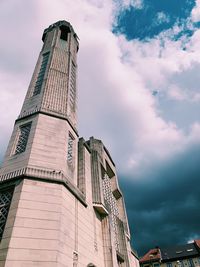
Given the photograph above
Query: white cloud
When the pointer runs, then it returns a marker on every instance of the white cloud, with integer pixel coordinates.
(196, 12)
(182, 94)
(194, 136)
(116, 79)
(138, 4)
(176, 93)
(162, 17)
(11, 97)
(127, 4)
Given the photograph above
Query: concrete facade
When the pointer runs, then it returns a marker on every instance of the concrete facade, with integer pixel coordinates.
(60, 202)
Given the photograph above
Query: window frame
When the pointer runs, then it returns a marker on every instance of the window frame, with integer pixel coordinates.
(169, 264)
(41, 74)
(72, 86)
(70, 149)
(20, 136)
(5, 205)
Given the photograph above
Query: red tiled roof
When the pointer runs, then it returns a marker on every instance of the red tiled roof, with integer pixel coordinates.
(153, 254)
(197, 242)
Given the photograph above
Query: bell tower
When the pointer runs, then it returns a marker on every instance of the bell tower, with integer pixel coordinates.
(60, 201)
(45, 135)
(53, 86)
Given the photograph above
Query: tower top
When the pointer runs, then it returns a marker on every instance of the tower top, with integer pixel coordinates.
(50, 107)
(63, 25)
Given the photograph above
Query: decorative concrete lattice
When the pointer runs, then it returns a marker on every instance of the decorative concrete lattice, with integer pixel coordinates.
(40, 78)
(5, 201)
(70, 149)
(112, 204)
(23, 138)
(72, 97)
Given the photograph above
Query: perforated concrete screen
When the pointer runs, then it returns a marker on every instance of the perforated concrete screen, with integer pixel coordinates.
(5, 201)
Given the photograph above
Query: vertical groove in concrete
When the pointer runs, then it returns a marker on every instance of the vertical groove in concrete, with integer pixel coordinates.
(81, 167)
(96, 193)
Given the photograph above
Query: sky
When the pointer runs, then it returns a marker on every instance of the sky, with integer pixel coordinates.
(139, 92)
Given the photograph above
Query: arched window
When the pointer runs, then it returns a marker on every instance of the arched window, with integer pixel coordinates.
(91, 265)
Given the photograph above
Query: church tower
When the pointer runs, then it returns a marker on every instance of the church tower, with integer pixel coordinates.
(60, 203)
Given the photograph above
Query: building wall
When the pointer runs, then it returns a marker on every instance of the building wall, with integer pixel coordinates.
(134, 261)
(67, 208)
(48, 226)
(174, 263)
(183, 263)
(46, 148)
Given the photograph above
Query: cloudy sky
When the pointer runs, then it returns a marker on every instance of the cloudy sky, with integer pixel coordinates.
(139, 91)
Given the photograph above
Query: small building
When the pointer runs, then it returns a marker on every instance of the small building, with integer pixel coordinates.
(151, 259)
(197, 244)
(187, 255)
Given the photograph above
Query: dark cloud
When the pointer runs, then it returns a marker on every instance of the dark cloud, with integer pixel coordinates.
(163, 207)
(162, 202)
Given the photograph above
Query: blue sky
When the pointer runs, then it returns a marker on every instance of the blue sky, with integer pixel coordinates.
(138, 84)
(147, 20)
(162, 199)
(151, 17)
